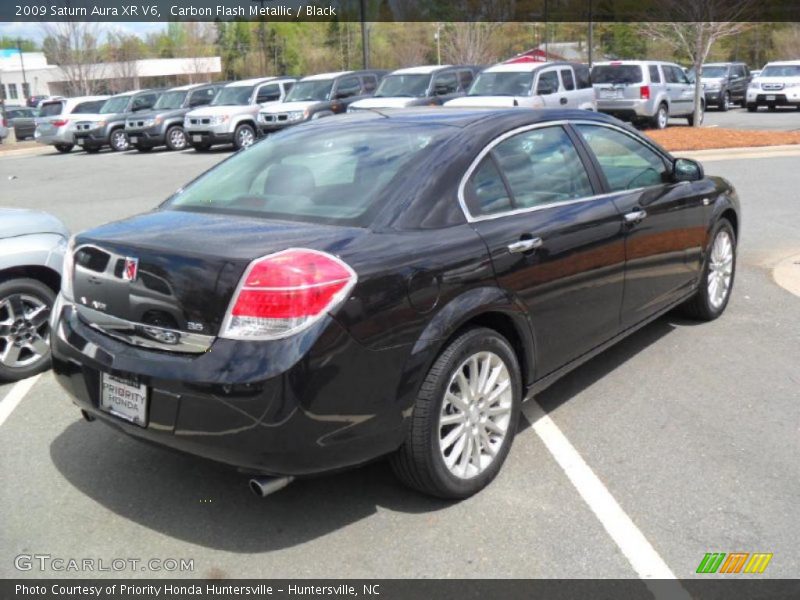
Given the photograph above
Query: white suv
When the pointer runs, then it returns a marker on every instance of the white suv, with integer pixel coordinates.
(778, 84)
(231, 116)
(531, 85)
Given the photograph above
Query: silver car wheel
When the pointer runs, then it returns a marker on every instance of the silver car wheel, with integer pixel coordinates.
(177, 138)
(475, 414)
(119, 141)
(720, 269)
(246, 137)
(663, 117)
(24, 331)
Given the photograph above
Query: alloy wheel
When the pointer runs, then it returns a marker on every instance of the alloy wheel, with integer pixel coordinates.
(663, 118)
(177, 139)
(720, 269)
(475, 414)
(119, 141)
(24, 330)
(246, 137)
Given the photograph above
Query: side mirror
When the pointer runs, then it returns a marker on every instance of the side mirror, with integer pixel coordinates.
(686, 169)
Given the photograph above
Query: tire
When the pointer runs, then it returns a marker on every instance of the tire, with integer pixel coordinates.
(420, 462)
(726, 100)
(176, 138)
(704, 305)
(118, 140)
(29, 352)
(690, 118)
(64, 148)
(244, 136)
(751, 107)
(660, 120)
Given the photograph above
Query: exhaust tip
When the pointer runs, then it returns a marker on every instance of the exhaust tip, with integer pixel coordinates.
(264, 486)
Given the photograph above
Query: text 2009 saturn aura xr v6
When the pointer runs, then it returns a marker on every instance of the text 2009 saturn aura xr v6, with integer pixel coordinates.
(386, 283)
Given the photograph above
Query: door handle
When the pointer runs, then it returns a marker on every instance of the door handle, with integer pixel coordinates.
(525, 245)
(635, 216)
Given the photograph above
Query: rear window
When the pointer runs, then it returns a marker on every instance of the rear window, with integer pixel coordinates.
(311, 174)
(50, 109)
(620, 74)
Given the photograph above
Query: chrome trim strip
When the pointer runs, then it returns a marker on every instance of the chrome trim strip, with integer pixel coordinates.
(474, 165)
(143, 335)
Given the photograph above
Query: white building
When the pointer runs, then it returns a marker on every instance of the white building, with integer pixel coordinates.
(28, 74)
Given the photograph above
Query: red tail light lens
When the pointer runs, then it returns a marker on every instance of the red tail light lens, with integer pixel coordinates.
(281, 294)
(644, 92)
(61, 122)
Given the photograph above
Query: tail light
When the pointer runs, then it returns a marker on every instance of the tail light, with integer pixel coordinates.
(644, 92)
(60, 122)
(284, 293)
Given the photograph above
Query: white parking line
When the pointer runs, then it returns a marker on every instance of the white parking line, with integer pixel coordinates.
(15, 396)
(629, 539)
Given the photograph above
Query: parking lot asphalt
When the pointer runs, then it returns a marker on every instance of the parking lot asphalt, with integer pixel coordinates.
(781, 119)
(693, 429)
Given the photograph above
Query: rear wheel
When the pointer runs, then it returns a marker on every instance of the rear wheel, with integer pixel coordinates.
(464, 419)
(64, 148)
(176, 138)
(25, 306)
(716, 280)
(691, 120)
(661, 119)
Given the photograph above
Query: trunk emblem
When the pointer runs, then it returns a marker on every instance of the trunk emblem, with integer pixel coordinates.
(131, 269)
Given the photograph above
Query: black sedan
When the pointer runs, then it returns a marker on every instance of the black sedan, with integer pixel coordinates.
(388, 283)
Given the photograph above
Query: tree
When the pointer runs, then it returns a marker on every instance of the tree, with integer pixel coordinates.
(73, 46)
(23, 44)
(121, 51)
(469, 43)
(702, 25)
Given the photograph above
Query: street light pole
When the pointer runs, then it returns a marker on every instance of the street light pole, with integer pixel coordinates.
(437, 35)
(22, 64)
(364, 40)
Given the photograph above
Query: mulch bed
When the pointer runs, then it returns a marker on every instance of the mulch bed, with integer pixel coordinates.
(707, 138)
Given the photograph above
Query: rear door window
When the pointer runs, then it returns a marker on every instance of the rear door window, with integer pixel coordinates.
(567, 79)
(583, 77)
(485, 192)
(655, 76)
(617, 74)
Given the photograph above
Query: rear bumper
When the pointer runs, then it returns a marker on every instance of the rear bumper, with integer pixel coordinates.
(53, 138)
(627, 109)
(321, 403)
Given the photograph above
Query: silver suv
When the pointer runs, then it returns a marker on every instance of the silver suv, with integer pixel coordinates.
(231, 116)
(778, 84)
(644, 91)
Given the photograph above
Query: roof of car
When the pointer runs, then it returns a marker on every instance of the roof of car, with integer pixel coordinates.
(191, 86)
(423, 70)
(526, 67)
(331, 75)
(254, 81)
(633, 62)
(783, 63)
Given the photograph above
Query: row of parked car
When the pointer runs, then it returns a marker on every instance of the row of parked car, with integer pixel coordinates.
(239, 112)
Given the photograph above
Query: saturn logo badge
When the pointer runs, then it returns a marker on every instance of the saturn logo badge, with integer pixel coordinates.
(131, 269)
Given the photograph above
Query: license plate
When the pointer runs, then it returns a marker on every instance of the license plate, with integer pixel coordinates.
(124, 398)
(79, 141)
(197, 138)
(134, 140)
(770, 97)
(610, 93)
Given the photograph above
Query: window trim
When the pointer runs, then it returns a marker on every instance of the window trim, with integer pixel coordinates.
(591, 170)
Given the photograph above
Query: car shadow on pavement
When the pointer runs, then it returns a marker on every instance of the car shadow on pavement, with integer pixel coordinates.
(608, 361)
(211, 505)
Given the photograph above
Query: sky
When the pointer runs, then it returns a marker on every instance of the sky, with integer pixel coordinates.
(36, 31)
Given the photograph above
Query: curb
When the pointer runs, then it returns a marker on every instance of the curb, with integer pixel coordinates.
(787, 274)
(739, 153)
